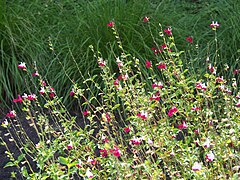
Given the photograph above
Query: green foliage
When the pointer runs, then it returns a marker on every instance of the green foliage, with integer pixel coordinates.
(52, 33)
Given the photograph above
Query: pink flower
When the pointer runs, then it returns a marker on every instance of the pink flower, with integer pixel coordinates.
(210, 156)
(135, 141)
(116, 82)
(19, 99)
(11, 114)
(52, 93)
(195, 108)
(219, 79)
(104, 139)
(162, 65)
(104, 152)
(91, 161)
(31, 97)
(22, 65)
(148, 64)
(172, 111)
(214, 25)
(115, 151)
(79, 164)
(125, 77)
(110, 24)
(201, 86)
(43, 83)
(207, 144)
(150, 142)
(108, 117)
(157, 85)
(145, 19)
(189, 39)
(163, 46)
(101, 62)
(196, 166)
(42, 90)
(168, 31)
(196, 131)
(155, 97)
(72, 93)
(70, 146)
(35, 74)
(183, 125)
(89, 174)
(127, 129)
(143, 115)
(86, 113)
(238, 103)
(236, 71)
(212, 69)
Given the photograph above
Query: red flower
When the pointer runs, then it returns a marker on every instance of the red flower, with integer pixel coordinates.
(115, 151)
(110, 24)
(72, 92)
(136, 141)
(19, 99)
(214, 25)
(155, 97)
(11, 114)
(189, 39)
(116, 82)
(162, 66)
(145, 19)
(31, 97)
(183, 125)
(195, 108)
(42, 91)
(70, 146)
(79, 164)
(86, 113)
(127, 129)
(22, 65)
(104, 152)
(168, 31)
(148, 64)
(143, 115)
(35, 74)
(172, 111)
(236, 71)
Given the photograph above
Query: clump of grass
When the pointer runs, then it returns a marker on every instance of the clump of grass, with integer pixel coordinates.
(72, 26)
(154, 120)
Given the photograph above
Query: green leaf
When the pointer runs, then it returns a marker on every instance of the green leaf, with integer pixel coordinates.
(9, 164)
(24, 171)
(63, 160)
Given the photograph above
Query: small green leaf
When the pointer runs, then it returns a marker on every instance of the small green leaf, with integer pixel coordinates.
(63, 160)
(9, 164)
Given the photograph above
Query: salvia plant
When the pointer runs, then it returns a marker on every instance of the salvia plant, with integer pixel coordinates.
(152, 119)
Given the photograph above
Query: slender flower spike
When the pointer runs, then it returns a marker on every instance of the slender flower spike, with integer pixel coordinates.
(89, 174)
(168, 31)
(189, 39)
(19, 99)
(214, 25)
(22, 65)
(196, 166)
(11, 114)
(148, 64)
(210, 156)
(146, 19)
(110, 24)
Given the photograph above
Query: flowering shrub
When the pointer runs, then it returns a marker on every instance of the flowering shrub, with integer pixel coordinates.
(180, 126)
